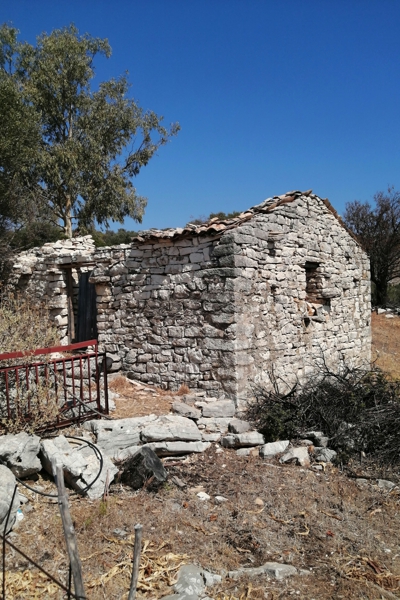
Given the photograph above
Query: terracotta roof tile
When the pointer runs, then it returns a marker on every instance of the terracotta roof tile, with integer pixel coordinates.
(216, 225)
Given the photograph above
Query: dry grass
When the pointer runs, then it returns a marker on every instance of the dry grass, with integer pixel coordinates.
(343, 531)
(136, 400)
(386, 344)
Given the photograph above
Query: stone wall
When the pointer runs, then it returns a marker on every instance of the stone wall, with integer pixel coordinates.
(166, 309)
(302, 292)
(222, 306)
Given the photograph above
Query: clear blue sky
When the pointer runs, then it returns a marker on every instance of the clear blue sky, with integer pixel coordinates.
(271, 95)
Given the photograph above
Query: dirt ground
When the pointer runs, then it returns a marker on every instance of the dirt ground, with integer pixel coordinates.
(342, 531)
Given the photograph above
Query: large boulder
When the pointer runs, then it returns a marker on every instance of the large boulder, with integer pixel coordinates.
(7, 486)
(20, 453)
(80, 464)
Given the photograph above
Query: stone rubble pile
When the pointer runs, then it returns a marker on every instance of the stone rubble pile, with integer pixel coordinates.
(196, 422)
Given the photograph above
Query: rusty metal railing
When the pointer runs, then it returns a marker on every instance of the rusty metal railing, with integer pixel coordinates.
(76, 384)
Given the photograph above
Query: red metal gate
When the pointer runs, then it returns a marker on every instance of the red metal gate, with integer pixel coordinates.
(74, 386)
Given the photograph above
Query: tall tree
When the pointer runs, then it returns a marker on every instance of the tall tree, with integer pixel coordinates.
(378, 229)
(19, 141)
(92, 143)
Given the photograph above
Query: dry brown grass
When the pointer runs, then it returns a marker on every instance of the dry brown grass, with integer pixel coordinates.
(346, 533)
(386, 344)
(138, 400)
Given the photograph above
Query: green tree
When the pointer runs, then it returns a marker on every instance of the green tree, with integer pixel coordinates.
(378, 230)
(92, 143)
(19, 142)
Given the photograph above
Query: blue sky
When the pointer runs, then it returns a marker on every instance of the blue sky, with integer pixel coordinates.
(270, 95)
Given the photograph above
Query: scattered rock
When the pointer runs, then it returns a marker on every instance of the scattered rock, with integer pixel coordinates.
(273, 448)
(318, 438)
(186, 411)
(276, 570)
(121, 533)
(176, 448)
(141, 467)
(7, 486)
(324, 454)
(114, 436)
(243, 451)
(20, 453)
(239, 426)
(220, 499)
(203, 496)
(298, 455)
(211, 579)
(386, 485)
(190, 581)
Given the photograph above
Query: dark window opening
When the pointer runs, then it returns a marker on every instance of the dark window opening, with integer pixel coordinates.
(318, 306)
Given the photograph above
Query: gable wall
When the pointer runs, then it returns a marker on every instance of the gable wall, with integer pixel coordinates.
(276, 333)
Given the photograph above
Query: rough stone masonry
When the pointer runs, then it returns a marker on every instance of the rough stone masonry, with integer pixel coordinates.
(218, 306)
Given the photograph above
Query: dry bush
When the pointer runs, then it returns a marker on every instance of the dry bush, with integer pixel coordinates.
(31, 408)
(357, 408)
(26, 327)
(183, 390)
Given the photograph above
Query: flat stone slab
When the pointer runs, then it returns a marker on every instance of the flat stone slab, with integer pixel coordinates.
(214, 425)
(171, 428)
(177, 448)
(273, 448)
(20, 453)
(220, 408)
(80, 465)
(113, 436)
(7, 486)
(276, 570)
(185, 410)
(243, 440)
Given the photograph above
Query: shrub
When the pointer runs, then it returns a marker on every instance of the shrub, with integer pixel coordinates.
(357, 408)
(25, 327)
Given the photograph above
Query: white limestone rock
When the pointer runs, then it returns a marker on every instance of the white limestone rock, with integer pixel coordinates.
(20, 453)
(80, 465)
(273, 448)
(7, 486)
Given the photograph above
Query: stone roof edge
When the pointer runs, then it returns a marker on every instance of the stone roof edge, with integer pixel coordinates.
(217, 226)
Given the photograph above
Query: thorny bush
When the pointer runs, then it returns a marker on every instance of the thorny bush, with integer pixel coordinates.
(358, 408)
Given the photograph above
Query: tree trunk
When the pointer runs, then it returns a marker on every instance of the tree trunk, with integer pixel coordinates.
(67, 218)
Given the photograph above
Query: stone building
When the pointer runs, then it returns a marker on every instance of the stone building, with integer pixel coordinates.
(218, 306)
